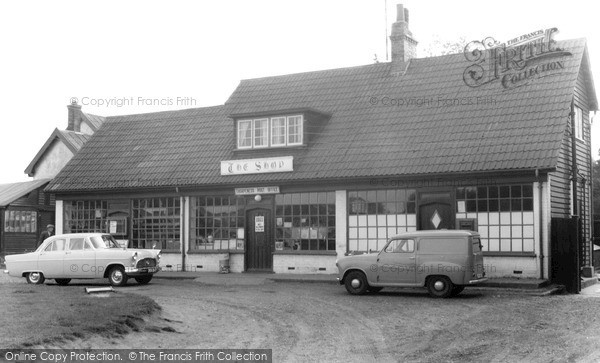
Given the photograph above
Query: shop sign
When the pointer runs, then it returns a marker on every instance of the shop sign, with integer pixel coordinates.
(257, 166)
(257, 190)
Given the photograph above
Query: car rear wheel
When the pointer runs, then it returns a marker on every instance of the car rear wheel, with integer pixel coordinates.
(356, 283)
(439, 286)
(62, 282)
(117, 276)
(35, 278)
(143, 280)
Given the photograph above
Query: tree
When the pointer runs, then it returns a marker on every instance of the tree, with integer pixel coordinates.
(438, 46)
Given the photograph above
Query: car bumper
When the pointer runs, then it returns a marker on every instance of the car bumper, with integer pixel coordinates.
(135, 271)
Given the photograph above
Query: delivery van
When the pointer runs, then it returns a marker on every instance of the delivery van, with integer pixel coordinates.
(443, 261)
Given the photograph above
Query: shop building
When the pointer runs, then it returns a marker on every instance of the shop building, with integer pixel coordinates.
(296, 170)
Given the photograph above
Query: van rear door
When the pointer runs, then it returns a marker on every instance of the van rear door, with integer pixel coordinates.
(478, 270)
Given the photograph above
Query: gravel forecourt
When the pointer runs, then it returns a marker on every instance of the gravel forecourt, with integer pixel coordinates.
(304, 322)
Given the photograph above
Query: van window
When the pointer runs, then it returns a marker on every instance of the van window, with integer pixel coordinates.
(401, 246)
(476, 245)
(447, 245)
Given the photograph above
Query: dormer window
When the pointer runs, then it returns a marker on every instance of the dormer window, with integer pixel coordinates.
(278, 131)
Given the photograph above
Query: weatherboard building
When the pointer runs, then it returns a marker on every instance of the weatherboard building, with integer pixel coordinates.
(296, 170)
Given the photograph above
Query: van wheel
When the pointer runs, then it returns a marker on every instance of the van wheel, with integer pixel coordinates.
(356, 283)
(62, 282)
(35, 278)
(457, 290)
(439, 286)
(117, 277)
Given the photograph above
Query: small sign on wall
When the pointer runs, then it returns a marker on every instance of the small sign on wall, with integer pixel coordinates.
(259, 223)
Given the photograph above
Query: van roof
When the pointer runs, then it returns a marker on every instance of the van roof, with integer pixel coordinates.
(438, 233)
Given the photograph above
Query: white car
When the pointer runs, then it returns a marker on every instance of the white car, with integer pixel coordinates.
(84, 256)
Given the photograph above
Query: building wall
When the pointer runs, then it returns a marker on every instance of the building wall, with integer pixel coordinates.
(57, 156)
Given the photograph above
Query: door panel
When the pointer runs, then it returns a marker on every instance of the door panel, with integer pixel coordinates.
(397, 262)
(50, 261)
(259, 251)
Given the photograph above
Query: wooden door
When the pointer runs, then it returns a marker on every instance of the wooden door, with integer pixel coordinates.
(259, 241)
(435, 211)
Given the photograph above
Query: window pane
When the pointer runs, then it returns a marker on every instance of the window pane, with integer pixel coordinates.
(245, 134)
(261, 133)
(295, 130)
(277, 131)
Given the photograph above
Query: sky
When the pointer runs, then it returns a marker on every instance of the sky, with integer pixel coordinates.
(118, 57)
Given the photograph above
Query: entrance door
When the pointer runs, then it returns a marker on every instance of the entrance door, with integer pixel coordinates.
(435, 211)
(259, 249)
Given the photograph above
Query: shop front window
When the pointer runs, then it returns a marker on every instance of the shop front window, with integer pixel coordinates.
(20, 221)
(305, 221)
(156, 223)
(217, 223)
(504, 215)
(377, 215)
(85, 216)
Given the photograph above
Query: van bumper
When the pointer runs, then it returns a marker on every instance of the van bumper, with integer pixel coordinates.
(478, 281)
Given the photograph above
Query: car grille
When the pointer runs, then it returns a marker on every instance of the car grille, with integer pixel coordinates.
(146, 262)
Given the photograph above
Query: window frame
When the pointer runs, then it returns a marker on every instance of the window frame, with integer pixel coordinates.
(239, 132)
(243, 143)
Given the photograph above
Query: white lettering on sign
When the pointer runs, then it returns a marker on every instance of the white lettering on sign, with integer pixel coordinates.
(259, 223)
(257, 190)
(257, 166)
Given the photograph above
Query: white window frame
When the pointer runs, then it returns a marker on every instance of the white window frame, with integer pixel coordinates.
(284, 135)
(301, 131)
(578, 122)
(239, 134)
(263, 137)
(269, 137)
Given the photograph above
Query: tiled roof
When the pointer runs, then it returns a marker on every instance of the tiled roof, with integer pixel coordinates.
(73, 140)
(95, 120)
(490, 129)
(13, 191)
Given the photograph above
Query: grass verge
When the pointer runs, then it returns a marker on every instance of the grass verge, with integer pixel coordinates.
(39, 315)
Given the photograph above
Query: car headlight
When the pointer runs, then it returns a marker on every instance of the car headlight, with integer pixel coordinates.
(134, 257)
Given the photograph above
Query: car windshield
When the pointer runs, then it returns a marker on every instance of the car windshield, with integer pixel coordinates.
(104, 241)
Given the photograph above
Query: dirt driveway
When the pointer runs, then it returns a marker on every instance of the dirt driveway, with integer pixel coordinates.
(321, 322)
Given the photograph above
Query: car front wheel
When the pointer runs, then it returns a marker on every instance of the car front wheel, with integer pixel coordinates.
(143, 280)
(117, 276)
(35, 278)
(356, 283)
(440, 286)
(62, 282)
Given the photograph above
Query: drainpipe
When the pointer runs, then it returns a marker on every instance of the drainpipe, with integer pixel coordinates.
(541, 219)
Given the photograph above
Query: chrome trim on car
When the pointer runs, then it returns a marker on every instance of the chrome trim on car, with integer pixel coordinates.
(133, 270)
(483, 279)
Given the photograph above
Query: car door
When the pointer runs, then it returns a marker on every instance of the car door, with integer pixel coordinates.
(80, 259)
(50, 260)
(396, 263)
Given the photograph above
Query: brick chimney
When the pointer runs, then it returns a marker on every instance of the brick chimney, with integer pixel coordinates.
(404, 46)
(74, 116)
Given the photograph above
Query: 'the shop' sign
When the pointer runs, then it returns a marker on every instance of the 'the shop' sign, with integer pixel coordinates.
(257, 166)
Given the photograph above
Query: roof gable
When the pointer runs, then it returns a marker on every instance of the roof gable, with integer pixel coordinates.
(73, 140)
